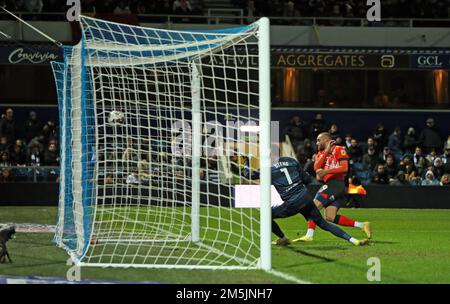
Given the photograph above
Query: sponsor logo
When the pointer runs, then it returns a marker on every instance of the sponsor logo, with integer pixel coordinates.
(429, 61)
(35, 57)
(387, 61)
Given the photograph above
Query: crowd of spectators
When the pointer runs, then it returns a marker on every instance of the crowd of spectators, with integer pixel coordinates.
(335, 9)
(28, 150)
(389, 158)
(161, 7)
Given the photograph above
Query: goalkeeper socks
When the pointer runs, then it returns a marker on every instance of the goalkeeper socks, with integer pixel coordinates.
(311, 227)
(353, 240)
(277, 230)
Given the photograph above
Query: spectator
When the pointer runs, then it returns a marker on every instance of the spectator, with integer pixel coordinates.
(420, 161)
(49, 132)
(391, 166)
(438, 167)
(141, 8)
(32, 127)
(429, 179)
(384, 155)
(334, 131)
(297, 131)
(355, 152)
(122, 8)
(370, 159)
(411, 174)
(307, 151)
(446, 156)
(348, 141)
(339, 141)
(380, 135)
(34, 6)
(5, 167)
(182, 7)
(447, 143)
(431, 156)
(4, 160)
(51, 156)
(18, 156)
(291, 11)
(8, 126)
(399, 180)
(34, 157)
(318, 125)
(429, 137)
(4, 146)
(381, 177)
(309, 166)
(250, 10)
(445, 180)
(337, 16)
(88, 6)
(395, 142)
(371, 143)
(6, 176)
(410, 141)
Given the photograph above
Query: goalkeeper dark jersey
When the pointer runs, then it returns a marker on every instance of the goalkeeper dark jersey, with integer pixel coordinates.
(288, 178)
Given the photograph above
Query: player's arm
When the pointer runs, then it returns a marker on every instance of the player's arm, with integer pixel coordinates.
(343, 165)
(322, 158)
(320, 161)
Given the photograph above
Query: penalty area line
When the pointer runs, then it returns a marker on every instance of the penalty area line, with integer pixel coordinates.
(287, 277)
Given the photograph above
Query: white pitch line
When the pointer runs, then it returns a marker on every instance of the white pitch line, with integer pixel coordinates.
(287, 277)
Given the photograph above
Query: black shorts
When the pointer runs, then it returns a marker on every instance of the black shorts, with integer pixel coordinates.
(290, 208)
(305, 207)
(332, 193)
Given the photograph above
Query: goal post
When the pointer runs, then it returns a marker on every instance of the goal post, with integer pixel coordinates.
(151, 122)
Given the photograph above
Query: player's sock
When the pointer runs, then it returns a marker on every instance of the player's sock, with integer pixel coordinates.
(344, 221)
(333, 229)
(277, 230)
(311, 227)
(353, 240)
(359, 224)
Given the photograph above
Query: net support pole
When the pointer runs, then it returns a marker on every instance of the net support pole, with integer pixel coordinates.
(196, 152)
(264, 143)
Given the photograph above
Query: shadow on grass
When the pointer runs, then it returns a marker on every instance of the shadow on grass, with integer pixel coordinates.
(309, 254)
(382, 242)
(16, 265)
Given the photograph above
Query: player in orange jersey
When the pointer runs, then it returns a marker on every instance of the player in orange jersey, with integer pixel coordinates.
(331, 165)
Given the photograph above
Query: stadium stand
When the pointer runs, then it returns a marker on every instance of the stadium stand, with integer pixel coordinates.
(29, 151)
(334, 12)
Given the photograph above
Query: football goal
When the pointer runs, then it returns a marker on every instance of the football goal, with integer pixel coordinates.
(155, 128)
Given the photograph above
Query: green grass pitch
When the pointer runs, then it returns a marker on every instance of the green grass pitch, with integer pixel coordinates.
(413, 247)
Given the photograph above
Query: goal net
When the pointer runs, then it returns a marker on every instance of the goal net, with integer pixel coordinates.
(156, 127)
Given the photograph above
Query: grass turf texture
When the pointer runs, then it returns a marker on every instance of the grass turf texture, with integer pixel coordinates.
(412, 245)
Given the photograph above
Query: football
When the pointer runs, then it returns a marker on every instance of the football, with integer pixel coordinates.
(116, 117)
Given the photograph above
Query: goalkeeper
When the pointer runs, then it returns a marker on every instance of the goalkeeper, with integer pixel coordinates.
(290, 180)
